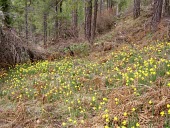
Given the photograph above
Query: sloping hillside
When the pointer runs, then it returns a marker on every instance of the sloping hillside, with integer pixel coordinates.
(126, 85)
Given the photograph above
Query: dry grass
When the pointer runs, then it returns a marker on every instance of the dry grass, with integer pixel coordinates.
(160, 98)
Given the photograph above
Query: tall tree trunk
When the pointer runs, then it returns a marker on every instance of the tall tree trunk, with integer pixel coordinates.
(85, 19)
(61, 9)
(45, 27)
(168, 32)
(58, 9)
(5, 7)
(136, 9)
(109, 4)
(26, 20)
(56, 21)
(75, 18)
(101, 6)
(117, 9)
(60, 18)
(94, 20)
(156, 18)
(88, 19)
(166, 8)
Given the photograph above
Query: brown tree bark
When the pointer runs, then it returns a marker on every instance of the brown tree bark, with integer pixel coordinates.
(109, 4)
(26, 20)
(88, 19)
(157, 13)
(136, 9)
(94, 20)
(75, 18)
(168, 33)
(56, 21)
(61, 4)
(45, 27)
(117, 9)
(101, 6)
(85, 19)
(166, 8)
(60, 18)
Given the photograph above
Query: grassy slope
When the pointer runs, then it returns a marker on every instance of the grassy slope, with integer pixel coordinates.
(128, 87)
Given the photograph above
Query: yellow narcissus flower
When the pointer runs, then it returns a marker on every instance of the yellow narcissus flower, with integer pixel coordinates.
(125, 113)
(133, 109)
(94, 108)
(106, 126)
(105, 99)
(168, 105)
(168, 84)
(169, 112)
(115, 118)
(82, 121)
(107, 119)
(70, 120)
(116, 99)
(134, 89)
(64, 124)
(107, 115)
(124, 122)
(150, 102)
(106, 110)
(93, 98)
(137, 125)
(75, 122)
(162, 113)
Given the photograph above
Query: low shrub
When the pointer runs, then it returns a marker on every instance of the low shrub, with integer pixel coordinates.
(105, 21)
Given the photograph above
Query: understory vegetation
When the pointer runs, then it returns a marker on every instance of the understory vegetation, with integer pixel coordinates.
(127, 87)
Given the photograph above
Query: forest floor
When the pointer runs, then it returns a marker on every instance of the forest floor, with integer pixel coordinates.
(124, 82)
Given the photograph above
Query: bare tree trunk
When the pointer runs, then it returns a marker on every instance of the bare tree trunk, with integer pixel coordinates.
(107, 4)
(61, 9)
(45, 27)
(26, 20)
(85, 19)
(166, 8)
(1, 34)
(117, 9)
(136, 9)
(56, 21)
(94, 20)
(156, 18)
(110, 3)
(75, 18)
(101, 6)
(60, 20)
(88, 19)
(168, 32)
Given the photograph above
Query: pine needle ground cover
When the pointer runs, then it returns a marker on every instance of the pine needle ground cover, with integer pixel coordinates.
(128, 87)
